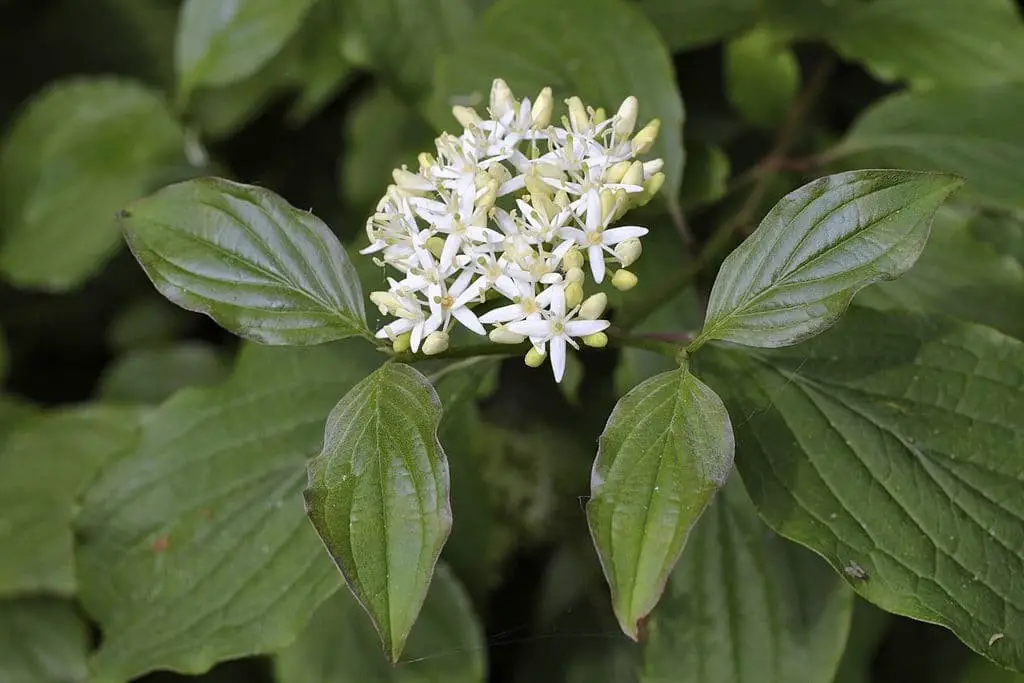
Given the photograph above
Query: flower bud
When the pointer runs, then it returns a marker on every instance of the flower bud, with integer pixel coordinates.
(427, 161)
(573, 259)
(616, 171)
(502, 101)
(540, 113)
(599, 116)
(499, 173)
(535, 185)
(644, 140)
(411, 182)
(436, 342)
(401, 342)
(598, 340)
(435, 245)
(577, 114)
(574, 275)
(635, 174)
(562, 200)
(573, 294)
(502, 335)
(593, 307)
(385, 301)
(466, 116)
(651, 188)
(534, 358)
(609, 204)
(625, 117)
(623, 280)
(653, 166)
(628, 251)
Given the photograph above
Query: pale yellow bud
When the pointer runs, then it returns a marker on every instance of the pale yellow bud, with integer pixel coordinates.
(490, 192)
(573, 259)
(598, 340)
(545, 207)
(574, 275)
(573, 294)
(466, 116)
(426, 160)
(534, 358)
(621, 204)
(385, 301)
(628, 251)
(623, 280)
(502, 335)
(635, 174)
(535, 185)
(562, 199)
(600, 116)
(401, 343)
(435, 245)
(499, 173)
(617, 170)
(644, 140)
(436, 342)
(548, 171)
(593, 307)
(625, 117)
(540, 112)
(608, 205)
(501, 98)
(651, 188)
(653, 166)
(409, 181)
(577, 114)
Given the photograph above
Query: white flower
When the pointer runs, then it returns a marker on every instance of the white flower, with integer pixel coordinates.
(556, 330)
(495, 216)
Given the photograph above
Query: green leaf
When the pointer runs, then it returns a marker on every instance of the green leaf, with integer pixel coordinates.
(796, 274)
(219, 43)
(79, 151)
(707, 174)
(686, 24)
(762, 77)
(340, 646)
(867, 631)
(245, 257)
(203, 522)
(1003, 232)
(973, 132)
(891, 446)
(151, 375)
(958, 275)
(666, 449)
(600, 50)
(44, 465)
(378, 496)
(42, 640)
(746, 606)
(951, 43)
(381, 134)
(404, 38)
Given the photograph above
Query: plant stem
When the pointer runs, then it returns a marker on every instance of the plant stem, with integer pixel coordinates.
(763, 173)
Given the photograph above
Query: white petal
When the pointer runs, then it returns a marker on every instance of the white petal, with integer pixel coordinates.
(517, 183)
(451, 248)
(503, 314)
(468, 319)
(576, 235)
(558, 357)
(531, 328)
(471, 292)
(596, 257)
(432, 323)
(616, 235)
(416, 337)
(581, 328)
(593, 211)
(506, 286)
(460, 284)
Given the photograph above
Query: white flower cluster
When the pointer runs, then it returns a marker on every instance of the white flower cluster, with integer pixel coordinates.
(514, 208)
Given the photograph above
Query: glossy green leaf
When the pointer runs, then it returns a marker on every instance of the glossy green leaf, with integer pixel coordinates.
(951, 43)
(891, 446)
(340, 645)
(600, 50)
(258, 266)
(378, 496)
(762, 77)
(202, 525)
(958, 275)
(746, 606)
(78, 152)
(44, 465)
(381, 134)
(223, 42)
(404, 38)
(42, 640)
(974, 132)
(666, 450)
(686, 24)
(796, 274)
(151, 375)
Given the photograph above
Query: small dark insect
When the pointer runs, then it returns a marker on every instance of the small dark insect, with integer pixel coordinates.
(855, 572)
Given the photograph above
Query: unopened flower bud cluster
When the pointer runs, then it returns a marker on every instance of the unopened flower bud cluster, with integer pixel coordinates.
(514, 213)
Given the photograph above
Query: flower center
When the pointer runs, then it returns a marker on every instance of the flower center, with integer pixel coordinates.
(447, 302)
(594, 238)
(529, 306)
(558, 327)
